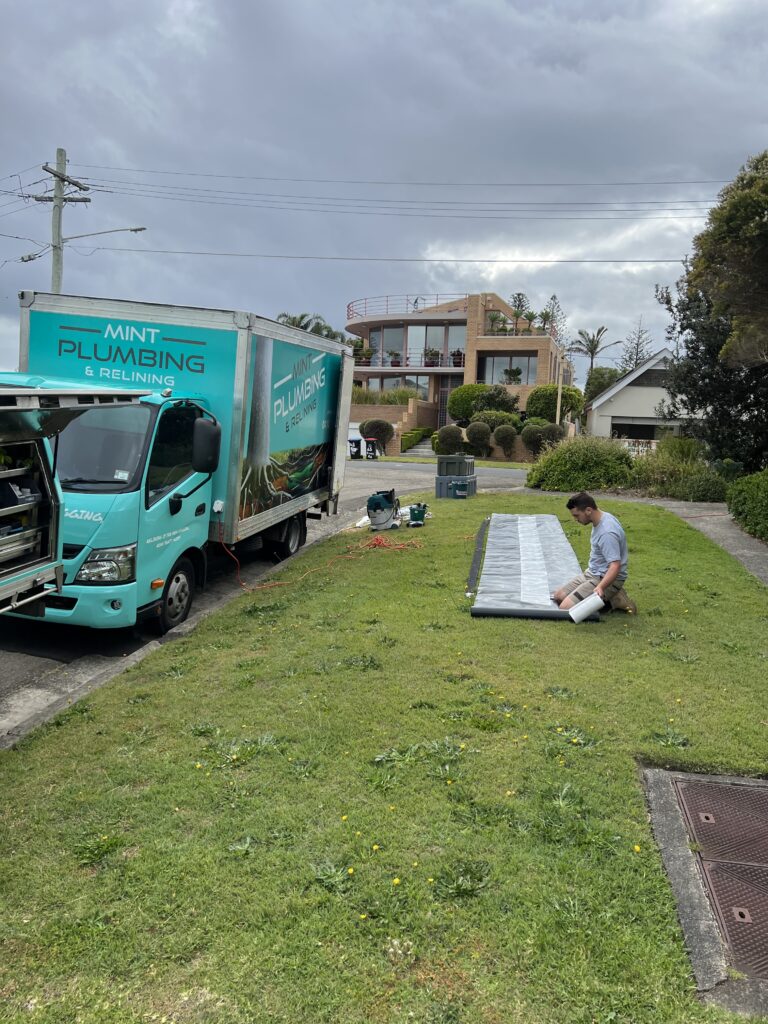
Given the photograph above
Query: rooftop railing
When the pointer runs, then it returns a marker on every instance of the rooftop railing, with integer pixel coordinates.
(404, 305)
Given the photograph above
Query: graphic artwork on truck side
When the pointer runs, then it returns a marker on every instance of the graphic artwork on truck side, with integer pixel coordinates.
(290, 441)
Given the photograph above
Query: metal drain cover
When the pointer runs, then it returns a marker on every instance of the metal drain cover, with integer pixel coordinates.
(728, 823)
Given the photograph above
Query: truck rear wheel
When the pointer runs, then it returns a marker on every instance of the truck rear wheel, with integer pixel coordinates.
(295, 535)
(178, 595)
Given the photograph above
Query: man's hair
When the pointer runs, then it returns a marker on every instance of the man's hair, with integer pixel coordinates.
(581, 501)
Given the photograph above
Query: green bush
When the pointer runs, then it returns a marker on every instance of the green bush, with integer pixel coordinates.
(461, 402)
(434, 440)
(698, 483)
(412, 437)
(728, 469)
(449, 440)
(479, 437)
(504, 437)
(681, 449)
(582, 463)
(542, 401)
(553, 433)
(536, 421)
(497, 398)
(397, 396)
(494, 418)
(748, 503)
(533, 437)
(381, 430)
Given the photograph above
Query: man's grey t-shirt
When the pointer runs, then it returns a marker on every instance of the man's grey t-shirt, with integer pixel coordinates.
(609, 544)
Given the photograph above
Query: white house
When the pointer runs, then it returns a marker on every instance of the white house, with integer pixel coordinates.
(628, 408)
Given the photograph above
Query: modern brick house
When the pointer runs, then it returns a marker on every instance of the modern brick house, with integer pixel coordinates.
(435, 343)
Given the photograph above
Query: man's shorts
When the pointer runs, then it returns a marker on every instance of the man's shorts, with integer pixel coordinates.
(583, 585)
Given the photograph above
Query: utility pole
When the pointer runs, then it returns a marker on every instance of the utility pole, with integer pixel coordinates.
(60, 178)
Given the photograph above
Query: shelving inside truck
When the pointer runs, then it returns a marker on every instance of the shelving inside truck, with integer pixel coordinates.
(27, 530)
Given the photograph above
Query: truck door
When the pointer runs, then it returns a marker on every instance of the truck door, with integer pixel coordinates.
(173, 526)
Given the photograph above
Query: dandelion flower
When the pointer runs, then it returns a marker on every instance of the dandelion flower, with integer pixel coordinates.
(350, 871)
(431, 881)
(526, 736)
(391, 807)
(375, 847)
(449, 782)
(415, 863)
(198, 765)
(395, 881)
(636, 848)
(358, 833)
(363, 917)
(344, 817)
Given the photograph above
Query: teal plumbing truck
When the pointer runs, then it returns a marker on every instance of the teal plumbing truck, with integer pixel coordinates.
(241, 435)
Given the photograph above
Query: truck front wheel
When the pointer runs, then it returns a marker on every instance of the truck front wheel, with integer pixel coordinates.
(178, 594)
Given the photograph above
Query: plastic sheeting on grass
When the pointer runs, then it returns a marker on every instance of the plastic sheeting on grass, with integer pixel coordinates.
(526, 559)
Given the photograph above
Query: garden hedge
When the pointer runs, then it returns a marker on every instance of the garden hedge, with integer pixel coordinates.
(748, 503)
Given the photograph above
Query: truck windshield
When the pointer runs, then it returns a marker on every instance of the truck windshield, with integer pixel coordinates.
(103, 449)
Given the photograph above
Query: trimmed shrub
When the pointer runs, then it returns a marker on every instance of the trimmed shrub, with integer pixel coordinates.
(461, 402)
(449, 440)
(496, 397)
(434, 441)
(412, 437)
(748, 503)
(504, 437)
(381, 430)
(582, 463)
(542, 401)
(494, 418)
(533, 437)
(479, 437)
(553, 433)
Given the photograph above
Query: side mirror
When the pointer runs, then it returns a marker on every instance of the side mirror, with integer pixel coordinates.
(206, 445)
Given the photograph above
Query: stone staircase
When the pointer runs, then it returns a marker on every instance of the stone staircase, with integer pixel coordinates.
(422, 450)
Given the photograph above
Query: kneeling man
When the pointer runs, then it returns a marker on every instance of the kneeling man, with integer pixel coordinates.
(607, 569)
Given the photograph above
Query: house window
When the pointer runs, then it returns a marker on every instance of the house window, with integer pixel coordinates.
(491, 367)
(392, 342)
(421, 384)
(417, 341)
(457, 337)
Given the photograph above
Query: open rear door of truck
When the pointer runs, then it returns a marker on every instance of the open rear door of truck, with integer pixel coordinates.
(30, 498)
(341, 445)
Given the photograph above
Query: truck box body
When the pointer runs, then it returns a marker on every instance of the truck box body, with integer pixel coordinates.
(281, 397)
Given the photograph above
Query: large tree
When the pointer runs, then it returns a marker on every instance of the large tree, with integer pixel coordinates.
(591, 344)
(600, 378)
(636, 348)
(542, 401)
(723, 405)
(730, 262)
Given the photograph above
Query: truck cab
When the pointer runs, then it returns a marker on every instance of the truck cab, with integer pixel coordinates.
(137, 498)
(31, 504)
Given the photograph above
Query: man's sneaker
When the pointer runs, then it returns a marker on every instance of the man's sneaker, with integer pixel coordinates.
(622, 602)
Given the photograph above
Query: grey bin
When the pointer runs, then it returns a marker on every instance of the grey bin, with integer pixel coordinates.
(455, 465)
(455, 486)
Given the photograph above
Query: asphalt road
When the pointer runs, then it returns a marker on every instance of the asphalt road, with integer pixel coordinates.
(42, 666)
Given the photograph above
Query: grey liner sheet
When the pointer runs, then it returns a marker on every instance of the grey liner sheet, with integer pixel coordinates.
(526, 559)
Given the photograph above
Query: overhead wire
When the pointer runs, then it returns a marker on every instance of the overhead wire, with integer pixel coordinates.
(368, 259)
(427, 184)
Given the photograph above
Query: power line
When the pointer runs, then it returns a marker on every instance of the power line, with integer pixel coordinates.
(16, 174)
(424, 184)
(366, 259)
(357, 211)
(229, 193)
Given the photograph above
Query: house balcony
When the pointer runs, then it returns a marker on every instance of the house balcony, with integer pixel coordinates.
(412, 361)
(451, 305)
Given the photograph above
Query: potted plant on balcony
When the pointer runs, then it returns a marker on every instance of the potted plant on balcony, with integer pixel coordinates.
(513, 375)
(395, 357)
(457, 355)
(364, 356)
(431, 357)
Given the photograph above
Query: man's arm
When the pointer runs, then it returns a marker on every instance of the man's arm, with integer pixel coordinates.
(610, 575)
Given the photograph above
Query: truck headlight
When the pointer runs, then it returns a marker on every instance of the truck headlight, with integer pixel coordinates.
(109, 565)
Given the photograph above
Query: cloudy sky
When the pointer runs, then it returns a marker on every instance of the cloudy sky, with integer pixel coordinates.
(504, 130)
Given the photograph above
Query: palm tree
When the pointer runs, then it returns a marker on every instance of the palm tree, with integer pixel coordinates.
(311, 322)
(545, 319)
(590, 344)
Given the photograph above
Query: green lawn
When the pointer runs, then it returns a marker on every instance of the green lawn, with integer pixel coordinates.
(344, 800)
